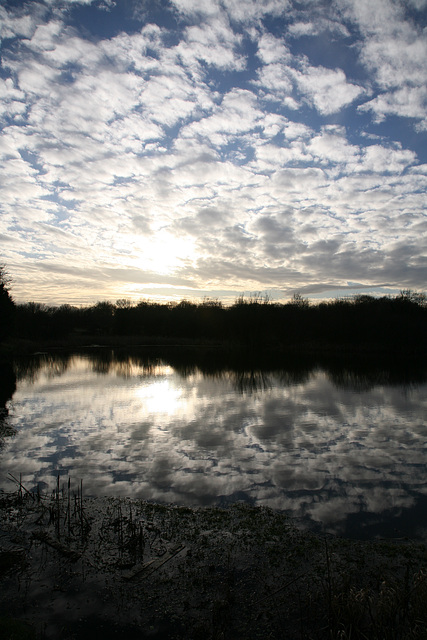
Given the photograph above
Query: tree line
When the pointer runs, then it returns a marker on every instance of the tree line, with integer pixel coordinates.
(363, 322)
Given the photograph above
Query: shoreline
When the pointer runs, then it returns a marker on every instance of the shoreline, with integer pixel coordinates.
(24, 347)
(72, 567)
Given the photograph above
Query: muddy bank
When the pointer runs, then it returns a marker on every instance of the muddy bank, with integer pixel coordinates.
(74, 567)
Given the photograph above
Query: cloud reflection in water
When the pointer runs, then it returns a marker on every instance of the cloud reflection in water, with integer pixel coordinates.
(322, 450)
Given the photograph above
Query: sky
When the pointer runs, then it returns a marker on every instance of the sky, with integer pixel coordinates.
(191, 149)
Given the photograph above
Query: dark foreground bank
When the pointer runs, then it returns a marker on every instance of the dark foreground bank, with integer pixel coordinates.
(75, 568)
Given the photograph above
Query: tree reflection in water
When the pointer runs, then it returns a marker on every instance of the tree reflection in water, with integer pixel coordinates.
(7, 389)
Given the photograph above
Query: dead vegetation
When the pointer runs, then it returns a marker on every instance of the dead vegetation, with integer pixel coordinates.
(72, 567)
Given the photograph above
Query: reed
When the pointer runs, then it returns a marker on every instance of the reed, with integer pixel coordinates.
(253, 568)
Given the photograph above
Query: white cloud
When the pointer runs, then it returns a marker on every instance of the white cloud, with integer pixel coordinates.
(298, 29)
(276, 80)
(272, 50)
(196, 142)
(249, 11)
(327, 89)
(382, 16)
(237, 114)
(378, 159)
(397, 60)
(45, 35)
(12, 100)
(12, 25)
(394, 50)
(190, 7)
(331, 146)
(213, 43)
(409, 102)
(239, 10)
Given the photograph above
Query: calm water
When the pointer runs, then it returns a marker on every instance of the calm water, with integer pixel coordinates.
(342, 450)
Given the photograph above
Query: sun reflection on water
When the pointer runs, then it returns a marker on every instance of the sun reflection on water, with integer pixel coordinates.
(159, 397)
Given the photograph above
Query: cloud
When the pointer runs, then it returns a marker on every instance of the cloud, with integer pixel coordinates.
(214, 43)
(237, 114)
(17, 24)
(331, 146)
(272, 50)
(12, 105)
(379, 159)
(298, 29)
(409, 102)
(418, 4)
(327, 89)
(394, 49)
(240, 10)
(214, 151)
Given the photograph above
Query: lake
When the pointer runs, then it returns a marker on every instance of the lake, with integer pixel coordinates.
(341, 447)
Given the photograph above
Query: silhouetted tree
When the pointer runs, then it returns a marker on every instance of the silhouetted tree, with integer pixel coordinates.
(32, 320)
(101, 318)
(64, 320)
(299, 301)
(414, 297)
(7, 305)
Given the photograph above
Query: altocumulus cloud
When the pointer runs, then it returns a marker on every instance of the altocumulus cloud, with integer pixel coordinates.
(187, 148)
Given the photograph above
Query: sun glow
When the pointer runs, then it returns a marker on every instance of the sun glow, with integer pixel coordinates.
(163, 253)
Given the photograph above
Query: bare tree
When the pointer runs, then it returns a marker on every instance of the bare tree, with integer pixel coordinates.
(5, 279)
